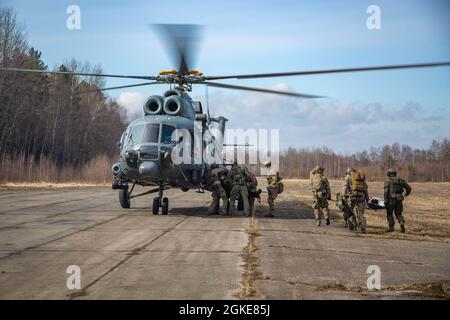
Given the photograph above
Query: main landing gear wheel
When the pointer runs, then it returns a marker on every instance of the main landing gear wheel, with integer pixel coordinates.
(156, 205)
(124, 198)
(165, 206)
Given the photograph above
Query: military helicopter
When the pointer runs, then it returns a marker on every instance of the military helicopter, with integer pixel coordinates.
(146, 145)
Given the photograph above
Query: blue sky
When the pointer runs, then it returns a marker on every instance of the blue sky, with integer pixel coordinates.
(271, 36)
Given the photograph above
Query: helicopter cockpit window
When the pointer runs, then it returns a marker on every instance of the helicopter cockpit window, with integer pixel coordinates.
(136, 135)
(152, 133)
(166, 137)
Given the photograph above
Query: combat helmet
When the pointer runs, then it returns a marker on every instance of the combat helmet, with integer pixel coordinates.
(349, 170)
(391, 172)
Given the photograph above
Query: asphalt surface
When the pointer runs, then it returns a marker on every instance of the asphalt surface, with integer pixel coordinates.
(132, 254)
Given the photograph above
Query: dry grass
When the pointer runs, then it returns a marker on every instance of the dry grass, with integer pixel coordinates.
(426, 210)
(48, 185)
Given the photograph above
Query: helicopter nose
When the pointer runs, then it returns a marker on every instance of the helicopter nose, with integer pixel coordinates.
(149, 169)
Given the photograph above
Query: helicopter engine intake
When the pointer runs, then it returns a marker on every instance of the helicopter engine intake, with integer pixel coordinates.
(153, 105)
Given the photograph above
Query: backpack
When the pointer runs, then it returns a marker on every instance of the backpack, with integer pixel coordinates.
(395, 187)
(280, 188)
(358, 181)
(317, 182)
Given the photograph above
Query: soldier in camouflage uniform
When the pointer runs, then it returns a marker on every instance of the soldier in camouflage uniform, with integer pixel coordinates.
(322, 193)
(214, 184)
(253, 192)
(273, 179)
(237, 176)
(393, 199)
(356, 193)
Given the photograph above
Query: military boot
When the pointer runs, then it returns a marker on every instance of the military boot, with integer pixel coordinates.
(402, 228)
(390, 229)
(318, 223)
(270, 214)
(363, 230)
(328, 221)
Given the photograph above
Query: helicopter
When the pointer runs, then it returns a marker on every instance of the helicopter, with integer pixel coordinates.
(145, 148)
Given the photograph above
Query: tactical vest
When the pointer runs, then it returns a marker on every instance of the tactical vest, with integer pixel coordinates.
(317, 182)
(237, 176)
(396, 188)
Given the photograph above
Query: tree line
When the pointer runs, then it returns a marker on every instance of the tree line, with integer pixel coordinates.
(431, 164)
(61, 118)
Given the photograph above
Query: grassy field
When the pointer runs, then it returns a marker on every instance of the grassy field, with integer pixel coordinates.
(426, 210)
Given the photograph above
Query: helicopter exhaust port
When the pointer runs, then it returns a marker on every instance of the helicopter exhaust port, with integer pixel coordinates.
(153, 105)
(173, 105)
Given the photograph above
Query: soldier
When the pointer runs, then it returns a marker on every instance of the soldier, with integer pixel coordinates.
(356, 192)
(393, 199)
(273, 189)
(253, 192)
(214, 184)
(237, 176)
(322, 193)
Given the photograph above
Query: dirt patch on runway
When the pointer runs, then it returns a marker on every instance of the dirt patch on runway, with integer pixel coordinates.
(250, 273)
(436, 290)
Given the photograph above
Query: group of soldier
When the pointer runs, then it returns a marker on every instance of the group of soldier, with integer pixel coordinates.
(239, 183)
(354, 198)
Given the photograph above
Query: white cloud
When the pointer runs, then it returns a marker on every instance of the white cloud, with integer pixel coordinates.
(133, 103)
(344, 127)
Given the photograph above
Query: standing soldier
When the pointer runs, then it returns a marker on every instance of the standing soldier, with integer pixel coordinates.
(214, 184)
(356, 192)
(237, 176)
(393, 199)
(253, 192)
(273, 189)
(322, 193)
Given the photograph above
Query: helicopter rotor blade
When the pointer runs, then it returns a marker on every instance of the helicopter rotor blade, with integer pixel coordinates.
(181, 41)
(122, 87)
(77, 73)
(286, 93)
(329, 71)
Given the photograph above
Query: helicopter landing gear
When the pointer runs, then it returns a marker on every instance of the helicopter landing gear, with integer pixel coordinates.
(160, 202)
(124, 198)
(156, 205)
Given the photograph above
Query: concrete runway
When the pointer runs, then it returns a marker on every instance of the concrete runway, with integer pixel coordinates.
(130, 253)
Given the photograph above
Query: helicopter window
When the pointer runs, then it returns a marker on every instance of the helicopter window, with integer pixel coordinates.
(136, 135)
(152, 133)
(166, 137)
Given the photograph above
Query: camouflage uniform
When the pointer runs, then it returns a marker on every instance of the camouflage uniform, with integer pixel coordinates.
(252, 183)
(273, 180)
(217, 191)
(237, 176)
(321, 195)
(393, 199)
(358, 200)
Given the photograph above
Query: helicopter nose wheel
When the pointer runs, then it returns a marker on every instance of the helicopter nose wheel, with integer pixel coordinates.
(160, 202)
(157, 203)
